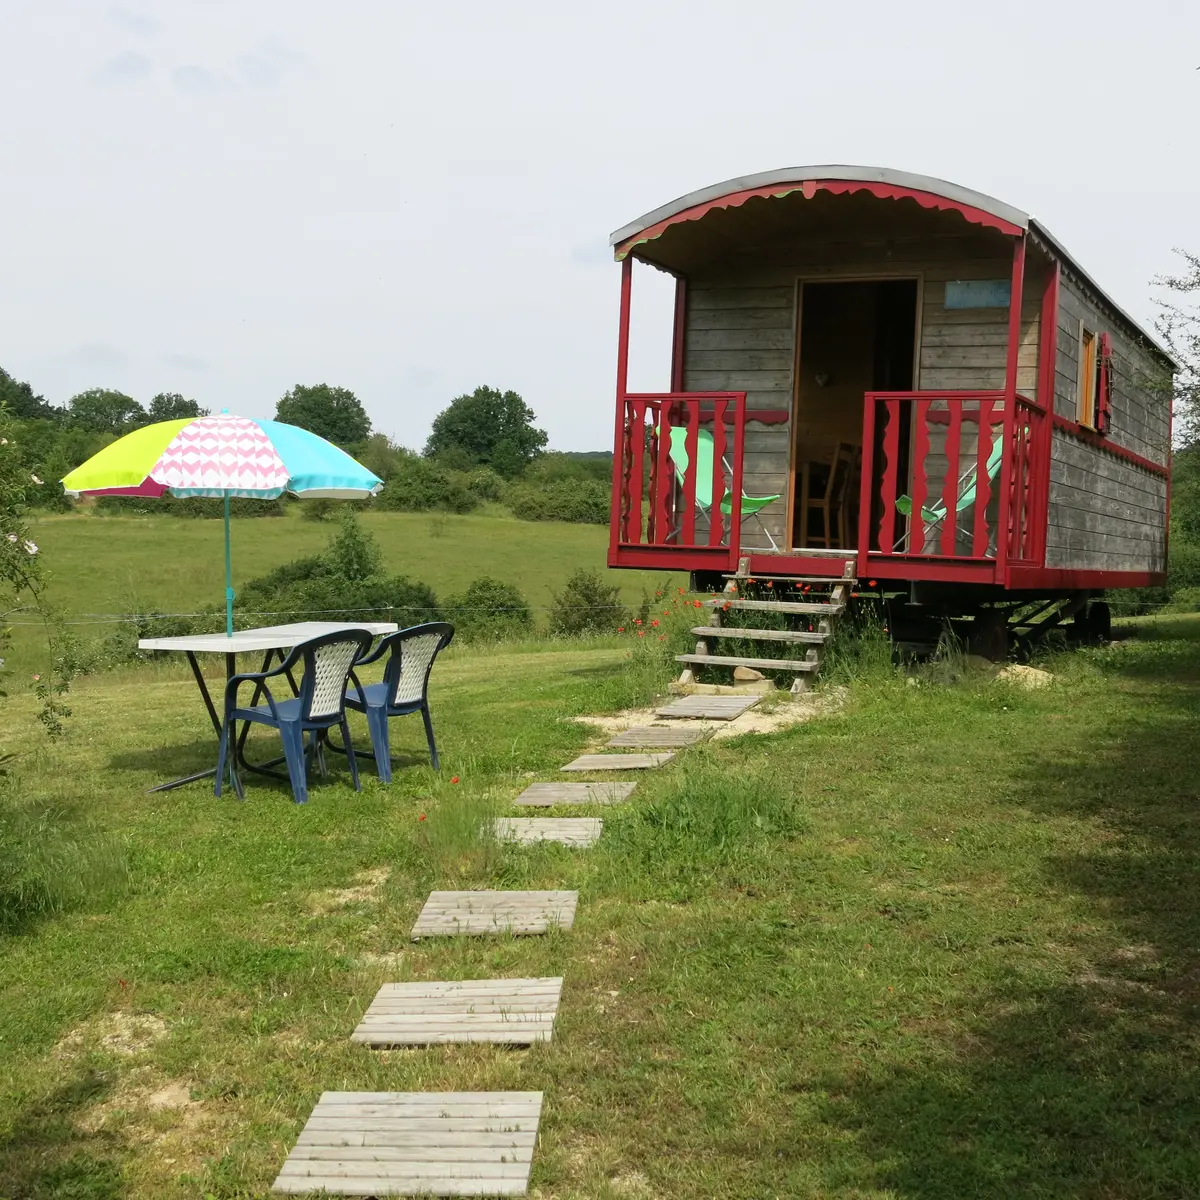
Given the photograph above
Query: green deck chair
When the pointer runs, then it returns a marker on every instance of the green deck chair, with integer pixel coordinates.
(751, 505)
(967, 485)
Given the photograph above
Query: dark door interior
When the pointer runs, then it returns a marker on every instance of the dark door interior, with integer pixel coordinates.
(855, 337)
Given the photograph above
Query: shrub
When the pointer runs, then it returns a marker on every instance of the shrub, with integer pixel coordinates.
(484, 484)
(587, 605)
(490, 611)
(354, 554)
(420, 486)
(580, 502)
(196, 507)
(321, 509)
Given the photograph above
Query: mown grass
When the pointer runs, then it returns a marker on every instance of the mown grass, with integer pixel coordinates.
(114, 565)
(940, 944)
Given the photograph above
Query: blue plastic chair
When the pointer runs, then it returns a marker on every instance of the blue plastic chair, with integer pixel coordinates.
(405, 687)
(328, 663)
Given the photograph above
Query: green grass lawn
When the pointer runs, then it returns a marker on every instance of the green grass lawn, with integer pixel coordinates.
(105, 565)
(942, 943)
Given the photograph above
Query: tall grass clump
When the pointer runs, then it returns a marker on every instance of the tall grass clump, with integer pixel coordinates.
(704, 818)
(455, 838)
(50, 862)
(861, 649)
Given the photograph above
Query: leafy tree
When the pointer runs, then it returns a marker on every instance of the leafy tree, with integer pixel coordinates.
(354, 553)
(487, 428)
(22, 402)
(105, 411)
(333, 413)
(1179, 326)
(586, 605)
(171, 406)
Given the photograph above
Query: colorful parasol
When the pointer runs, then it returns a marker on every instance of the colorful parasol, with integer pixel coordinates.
(224, 457)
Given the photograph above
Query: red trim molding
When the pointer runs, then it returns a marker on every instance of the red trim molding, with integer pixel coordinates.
(809, 188)
(1102, 443)
(1019, 579)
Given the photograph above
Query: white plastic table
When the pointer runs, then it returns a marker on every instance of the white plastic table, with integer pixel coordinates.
(274, 639)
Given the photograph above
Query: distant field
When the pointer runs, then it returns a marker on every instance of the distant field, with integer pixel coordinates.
(123, 564)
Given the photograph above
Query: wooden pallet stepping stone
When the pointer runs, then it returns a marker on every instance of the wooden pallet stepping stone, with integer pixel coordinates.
(543, 795)
(515, 1012)
(658, 736)
(617, 762)
(483, 912)
(570, 831)
(709, 708)
(415, 1144)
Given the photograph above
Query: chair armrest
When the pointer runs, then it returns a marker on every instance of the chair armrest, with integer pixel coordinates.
(358, 687)
(257, 677)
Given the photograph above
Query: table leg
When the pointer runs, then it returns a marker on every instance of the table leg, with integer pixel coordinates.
(206, 696)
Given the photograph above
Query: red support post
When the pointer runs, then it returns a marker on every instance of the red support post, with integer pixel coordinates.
(614, 523)
(1010, 404)
(920, 475)
(665, 474)
(735, 499)
(715, 522)
(865, 487)
(889, 489)
(950, 484)
(691, 475)
(637, 455)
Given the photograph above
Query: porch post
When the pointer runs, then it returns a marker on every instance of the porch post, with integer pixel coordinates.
(618, 482)
(677, 333)
(1010, 406)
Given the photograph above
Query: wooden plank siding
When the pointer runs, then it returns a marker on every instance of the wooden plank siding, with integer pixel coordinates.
(740, 335)
(1106, 513)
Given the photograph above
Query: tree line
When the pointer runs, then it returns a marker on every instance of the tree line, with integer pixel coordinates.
(484, 447)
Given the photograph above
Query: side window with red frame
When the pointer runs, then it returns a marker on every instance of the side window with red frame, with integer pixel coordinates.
(1104, 381)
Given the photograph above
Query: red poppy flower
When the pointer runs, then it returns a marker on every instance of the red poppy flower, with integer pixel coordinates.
(620, 628)
(870, 583)
(453, 778)
(653, 624)
(637, 622)
(641, 633)
(421, 817)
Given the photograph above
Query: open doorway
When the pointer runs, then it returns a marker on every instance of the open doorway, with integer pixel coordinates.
(855, 336)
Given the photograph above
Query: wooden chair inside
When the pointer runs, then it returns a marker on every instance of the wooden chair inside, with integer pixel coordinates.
(831, 502)
(847, 505)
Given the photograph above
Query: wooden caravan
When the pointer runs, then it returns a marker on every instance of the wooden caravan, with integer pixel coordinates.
(888, 375)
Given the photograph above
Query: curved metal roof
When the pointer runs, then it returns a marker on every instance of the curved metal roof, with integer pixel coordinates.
(797, 175)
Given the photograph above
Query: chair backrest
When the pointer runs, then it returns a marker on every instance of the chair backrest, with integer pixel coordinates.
(411, 659)
(328, 661)
(840, 468)
(704, 462)
(970, 480)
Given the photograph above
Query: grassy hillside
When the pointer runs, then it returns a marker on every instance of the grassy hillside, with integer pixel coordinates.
(123, 564)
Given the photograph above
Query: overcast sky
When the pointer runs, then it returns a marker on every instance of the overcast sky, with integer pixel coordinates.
(409, 199)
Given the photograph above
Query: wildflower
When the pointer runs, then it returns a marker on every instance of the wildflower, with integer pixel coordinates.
(620, 628)
(870, 583)
(698, 603)
(36, 480)
(30, 547)
(122, 983)
(453, 778)
(638, 621)
(421, 817)
(663, 638)
(12, 537)
(769, 583)
(641, 633)
(3, 441)
(682, 590)
(658, 595)
(36, 678)
(666, 611)
(654, 624)
(733, 587)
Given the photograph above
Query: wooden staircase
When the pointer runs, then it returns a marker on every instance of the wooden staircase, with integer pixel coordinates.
(825, 607)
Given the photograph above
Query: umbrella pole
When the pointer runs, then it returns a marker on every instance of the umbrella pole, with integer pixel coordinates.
(228, 575)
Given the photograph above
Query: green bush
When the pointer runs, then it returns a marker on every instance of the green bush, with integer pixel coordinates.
(587, 605)
(420, 486)
(484, 484)
(581, 502)
(490, 611)
(202, 508)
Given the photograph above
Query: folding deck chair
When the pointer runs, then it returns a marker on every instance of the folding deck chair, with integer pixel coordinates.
(751, 505)
(968, 483)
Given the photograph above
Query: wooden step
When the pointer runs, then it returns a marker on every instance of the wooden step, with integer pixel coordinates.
(780, 606)
(760, 635)
(759, 664)
(816, 552)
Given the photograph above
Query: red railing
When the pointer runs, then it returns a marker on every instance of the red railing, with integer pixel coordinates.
(660, 502)
(945, 472)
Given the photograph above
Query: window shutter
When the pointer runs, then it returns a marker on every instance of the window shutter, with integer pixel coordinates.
(1104, 385)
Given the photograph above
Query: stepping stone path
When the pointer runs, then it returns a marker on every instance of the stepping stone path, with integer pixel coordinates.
(709, 708)
(570, 831)
(473, 1143)
(416, 1143)
(543, 795)
(515, 1012)
(653, 736)
(478, 913)
(617, 762)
